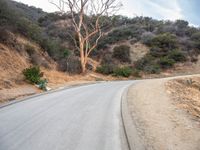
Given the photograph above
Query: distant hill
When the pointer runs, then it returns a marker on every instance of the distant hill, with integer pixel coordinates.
(31, 12)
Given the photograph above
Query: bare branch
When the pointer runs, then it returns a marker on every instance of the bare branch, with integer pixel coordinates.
(87, 23)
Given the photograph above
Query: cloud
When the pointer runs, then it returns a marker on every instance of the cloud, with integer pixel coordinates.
(159, 9)
(44, 4)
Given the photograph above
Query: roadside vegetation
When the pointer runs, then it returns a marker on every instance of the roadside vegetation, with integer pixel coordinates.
(34, 76)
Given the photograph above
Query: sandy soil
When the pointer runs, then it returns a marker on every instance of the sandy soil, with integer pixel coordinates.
(161, 124)
(186, 95)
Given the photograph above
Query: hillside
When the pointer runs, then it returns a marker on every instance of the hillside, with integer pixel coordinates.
(151, 46)
(131, 47)
(21, 48)
(144, 44)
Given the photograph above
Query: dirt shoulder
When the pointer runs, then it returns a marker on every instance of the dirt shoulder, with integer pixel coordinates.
(162, 124)
(10, 94)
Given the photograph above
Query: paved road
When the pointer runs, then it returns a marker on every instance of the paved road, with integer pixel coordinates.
(81, 118)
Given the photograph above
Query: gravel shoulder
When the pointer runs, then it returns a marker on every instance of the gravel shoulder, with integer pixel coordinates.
(160, 123)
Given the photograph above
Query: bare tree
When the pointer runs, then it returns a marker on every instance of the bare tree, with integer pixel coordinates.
(88, 21)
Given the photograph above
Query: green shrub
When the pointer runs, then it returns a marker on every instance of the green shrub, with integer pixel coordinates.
(177, 56)
(152, 68)
(165, 41)
(136, 72)
(122, 53)
(146, 60)
(119, 35)
(196, 36)
(66, 53)
(71, 65)
(158, 52)
(106, 69)
(166, 62)
(123, 71)
(43, 84)
(33, 74)
(29, 29)
(147, 37)
(148, 64)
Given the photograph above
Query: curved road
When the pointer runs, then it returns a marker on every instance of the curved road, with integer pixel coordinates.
(81, 118)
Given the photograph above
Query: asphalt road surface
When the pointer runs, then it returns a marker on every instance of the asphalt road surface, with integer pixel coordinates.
(81, 118)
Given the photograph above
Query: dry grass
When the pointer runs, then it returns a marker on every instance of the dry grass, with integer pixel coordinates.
(14, 59)
(57, 79)
(11, 66)
(186, 94)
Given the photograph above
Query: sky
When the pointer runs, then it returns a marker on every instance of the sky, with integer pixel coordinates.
(157, 9)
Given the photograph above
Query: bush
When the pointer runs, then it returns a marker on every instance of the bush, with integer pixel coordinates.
(106, 69)
(29, 29)
(177, 56)
(196, 39)
(165, 41)
(120, 35)
(71, 65)
(166, 62)
(146, 60)
(122, 53)
(4, 35)
(136, 72)
(66, 53)
(107, 59)
(43, 84)
(147, 37)
(33, 74)
(152, 68)
(123, 71)
(51, 46)
(158, 52)
(148, 64)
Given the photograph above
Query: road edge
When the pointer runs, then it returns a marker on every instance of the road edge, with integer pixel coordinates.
(133, 139)
(47, 92)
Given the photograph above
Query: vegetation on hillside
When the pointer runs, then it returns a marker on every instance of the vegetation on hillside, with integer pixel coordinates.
(34, 76)
(169, 42)
(14, 18)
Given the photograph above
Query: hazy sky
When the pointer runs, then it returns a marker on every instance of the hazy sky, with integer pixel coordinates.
(159, 9)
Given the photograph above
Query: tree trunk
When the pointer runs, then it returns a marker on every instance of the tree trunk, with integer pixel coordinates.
(83, 67)
(83, 60)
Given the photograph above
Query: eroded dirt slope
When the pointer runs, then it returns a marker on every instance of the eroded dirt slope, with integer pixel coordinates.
(186, 94)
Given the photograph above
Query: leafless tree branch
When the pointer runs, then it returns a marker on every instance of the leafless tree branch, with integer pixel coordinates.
(86, 19)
